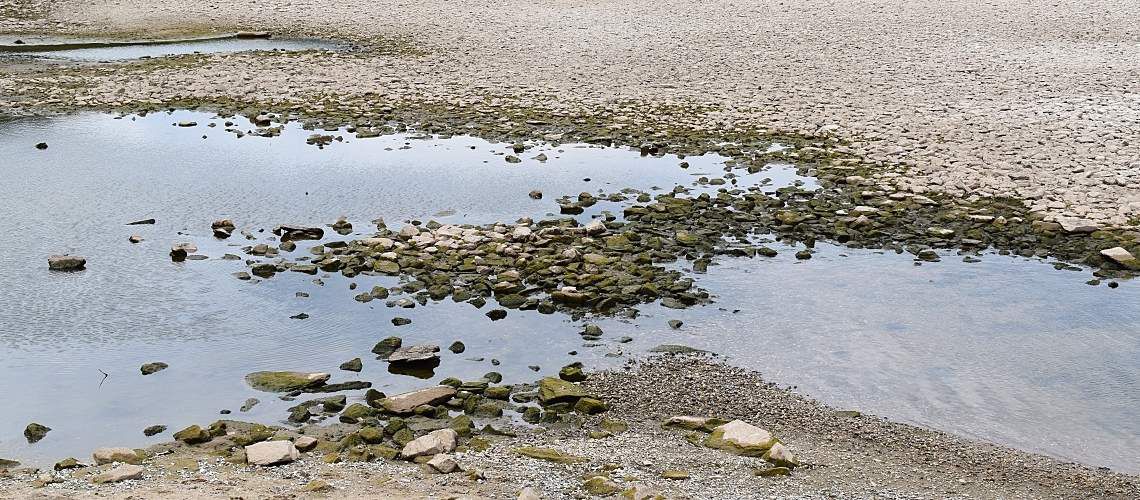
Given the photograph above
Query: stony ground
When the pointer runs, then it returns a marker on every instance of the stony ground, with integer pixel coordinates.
(845, 455)
(1025, 98)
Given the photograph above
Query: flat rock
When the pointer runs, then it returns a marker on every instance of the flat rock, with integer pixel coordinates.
(1074, 225)
(434, 443)
(414, 354)
(271, 453)
(121, 473)
(66, 263)
(552, 390)
(1121, 256)
(285, 381)
(408, 401)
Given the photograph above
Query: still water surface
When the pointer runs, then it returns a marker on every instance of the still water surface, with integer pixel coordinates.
(1007, 350)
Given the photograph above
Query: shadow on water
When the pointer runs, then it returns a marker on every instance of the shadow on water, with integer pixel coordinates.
(1007, 349)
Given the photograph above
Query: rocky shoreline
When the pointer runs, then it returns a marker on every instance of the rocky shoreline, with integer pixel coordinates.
(652, 442)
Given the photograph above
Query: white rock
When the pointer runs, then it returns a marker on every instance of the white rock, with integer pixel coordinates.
(529, 494)
(595, 227)
(120, 473)
(1074, 225)
(409, 231)
(434, 443)
(742, 438)
(271, 453)
(1121, 256)
(444, 464)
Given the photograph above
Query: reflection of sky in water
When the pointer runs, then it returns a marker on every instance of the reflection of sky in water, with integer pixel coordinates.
(1006, 349)
(168, 49)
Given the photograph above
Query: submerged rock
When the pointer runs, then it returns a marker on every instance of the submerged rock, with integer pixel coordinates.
(285, 381)
(66, 263)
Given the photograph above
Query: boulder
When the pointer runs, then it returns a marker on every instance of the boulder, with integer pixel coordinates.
(1121, 256)
(741, 438)
(408, 401)
(66, 263)
(434, 443)
(271, 453)
(285, 381)
(35, 432)
(121, 473)
(110, 455)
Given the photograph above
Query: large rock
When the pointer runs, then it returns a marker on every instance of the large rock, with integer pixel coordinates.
(271, 453)
(421, 353)
(285, 381)
(1121, 256)
(552, 390)
(120, 473)
(408, 401)
(109, 455)
(66, 263)
(434, 443)
(741, 438)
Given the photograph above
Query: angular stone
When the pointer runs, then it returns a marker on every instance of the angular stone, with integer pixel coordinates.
(444, 464)
(305, 443)
(1121, 256)
(120, 473)
(780, 456)
(434, 443)
(741, 438)
(415, 354)
(408, 401)
(552, 390)
(271, 453)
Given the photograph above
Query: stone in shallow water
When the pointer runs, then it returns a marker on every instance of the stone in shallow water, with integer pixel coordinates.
(420, 353)
(285, 381)
(35, 432)
(155, 367)
(66, 263)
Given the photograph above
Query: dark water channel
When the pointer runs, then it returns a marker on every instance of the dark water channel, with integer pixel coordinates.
(1007, 349)
(143, 50)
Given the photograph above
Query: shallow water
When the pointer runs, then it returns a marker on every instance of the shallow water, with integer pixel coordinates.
(191, 47)
(1008, 350)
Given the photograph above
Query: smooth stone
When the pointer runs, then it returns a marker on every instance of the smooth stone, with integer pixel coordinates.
(271, 453)
(408, 401)
(109, 455)
(285, 381)
(741, 438)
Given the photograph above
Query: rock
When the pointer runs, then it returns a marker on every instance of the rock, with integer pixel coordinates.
(512, 159)
(305, 443)
(552, 390)
(528, 494)
(675, 475)
(549, 454)
(109, 455)
(352, 365)
(675, 349)
(420, 353)
(386, 347)
(294, 233)
(141, 222)
(497, 314)
(67, 463)
(271, 453)
(706, 424)
(408, 401)
(773, 472)
(134, 238)
(675, 323)
(35, 432)
(600, 486)
(434, 443)
(66, 263)
(780, 456)
(187, 123)
(249, 404)
(39, 145)
(741, 438)
(179, 251)
(155, 367)
(285, 381)
(1121, 256)
(1077, 226)
(536, 195)
(444, 464)
(121, 473)
(457, 347)
(317, 486)
(590, 406)
(154, 430)
(572, 373)
(193, 435)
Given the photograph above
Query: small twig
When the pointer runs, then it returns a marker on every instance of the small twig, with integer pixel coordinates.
(104, 379)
